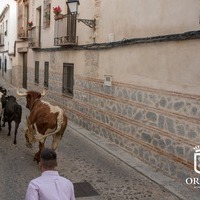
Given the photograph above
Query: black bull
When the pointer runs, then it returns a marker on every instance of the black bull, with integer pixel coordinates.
(12, 112)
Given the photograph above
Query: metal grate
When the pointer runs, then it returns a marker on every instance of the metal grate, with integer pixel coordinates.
(84, 189)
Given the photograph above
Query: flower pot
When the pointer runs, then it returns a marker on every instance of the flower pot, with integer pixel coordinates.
(30, 28)
(59, 16)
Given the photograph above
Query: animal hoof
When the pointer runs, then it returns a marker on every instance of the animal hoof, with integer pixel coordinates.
(36, 159)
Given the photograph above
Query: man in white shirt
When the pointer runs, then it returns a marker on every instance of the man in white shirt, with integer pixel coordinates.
(49, 186)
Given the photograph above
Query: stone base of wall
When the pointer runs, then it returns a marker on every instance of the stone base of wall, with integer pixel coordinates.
(159, 127)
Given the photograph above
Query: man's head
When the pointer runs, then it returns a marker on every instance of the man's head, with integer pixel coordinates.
(48, 159)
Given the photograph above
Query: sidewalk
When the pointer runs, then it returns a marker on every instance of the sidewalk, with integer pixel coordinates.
(178, 189)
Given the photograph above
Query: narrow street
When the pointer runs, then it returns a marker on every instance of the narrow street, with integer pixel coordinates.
(126, 73)
(79, 160)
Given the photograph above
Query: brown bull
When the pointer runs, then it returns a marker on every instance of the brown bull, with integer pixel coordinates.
(44, 120)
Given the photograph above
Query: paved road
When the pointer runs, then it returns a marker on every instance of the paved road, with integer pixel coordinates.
(79, 160)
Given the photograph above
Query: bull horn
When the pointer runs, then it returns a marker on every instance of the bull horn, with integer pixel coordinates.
(21, 94)
(43, 92)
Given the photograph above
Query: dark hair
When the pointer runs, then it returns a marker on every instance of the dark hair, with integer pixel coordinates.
(48, 158)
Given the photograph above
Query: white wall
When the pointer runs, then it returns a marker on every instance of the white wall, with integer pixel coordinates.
(167, 65)
(9, 39)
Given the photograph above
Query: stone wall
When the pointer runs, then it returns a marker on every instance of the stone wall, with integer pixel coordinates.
(159, 127)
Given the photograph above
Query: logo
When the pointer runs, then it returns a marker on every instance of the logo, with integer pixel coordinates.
(195, 181)
(197, 159)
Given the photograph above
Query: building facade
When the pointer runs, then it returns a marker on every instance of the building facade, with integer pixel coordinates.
(128, 73)
(8, 37)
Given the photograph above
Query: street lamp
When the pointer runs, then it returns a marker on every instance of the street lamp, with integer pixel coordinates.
(73, 5)
(73, 8)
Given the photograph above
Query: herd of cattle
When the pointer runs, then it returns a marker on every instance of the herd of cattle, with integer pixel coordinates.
(44, 119)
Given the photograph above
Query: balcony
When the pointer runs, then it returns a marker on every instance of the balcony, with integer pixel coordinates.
(65, 31)
(34, 37)
(1, 39)
(22, 33)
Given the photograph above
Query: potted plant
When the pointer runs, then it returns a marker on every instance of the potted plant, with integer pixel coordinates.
(30, 25)
(57, 11)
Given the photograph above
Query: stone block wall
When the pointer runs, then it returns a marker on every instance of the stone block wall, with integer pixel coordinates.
(159, 127)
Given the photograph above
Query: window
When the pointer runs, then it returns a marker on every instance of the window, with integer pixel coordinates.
(46, 13)
(1, 35)
(68, 79)
(37, 72)
(5, 64)
(46, 74)
(6, 28)
(22, 18)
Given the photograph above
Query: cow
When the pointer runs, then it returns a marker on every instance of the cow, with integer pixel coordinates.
(44, 120)
(12, 112)
(1, 108)
(3, 92)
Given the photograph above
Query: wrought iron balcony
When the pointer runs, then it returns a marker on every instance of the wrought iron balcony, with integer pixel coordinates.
(65, 30)
(22, 33)
(34, 37)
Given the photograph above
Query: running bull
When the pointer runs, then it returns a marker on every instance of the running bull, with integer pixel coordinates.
(44, 120)
(12, 112)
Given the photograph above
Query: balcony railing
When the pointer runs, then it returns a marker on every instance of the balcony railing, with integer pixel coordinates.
(65, 31)
(34, 37)
(1, 39)
(22, 33)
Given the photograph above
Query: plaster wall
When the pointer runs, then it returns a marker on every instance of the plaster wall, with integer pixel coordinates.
(135, 19)
(8, 26)
(171, 66)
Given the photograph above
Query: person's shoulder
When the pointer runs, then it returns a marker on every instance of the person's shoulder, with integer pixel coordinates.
(36, 180)
(65, 180)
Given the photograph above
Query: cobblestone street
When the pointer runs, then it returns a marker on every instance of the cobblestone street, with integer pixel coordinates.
(80, 160)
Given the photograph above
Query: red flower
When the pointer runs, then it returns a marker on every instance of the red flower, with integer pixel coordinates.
(30, 23)
(57, 10)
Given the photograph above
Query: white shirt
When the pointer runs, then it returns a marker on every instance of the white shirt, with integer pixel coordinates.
(50, 186)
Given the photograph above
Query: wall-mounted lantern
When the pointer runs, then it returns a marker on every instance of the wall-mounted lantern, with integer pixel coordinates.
(73, 8)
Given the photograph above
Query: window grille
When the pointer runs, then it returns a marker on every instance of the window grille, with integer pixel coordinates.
(5, 64)
(68, 79)
(37, 72)
(6, 28)
(1, 39)
(46, 74)
(46, 13)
